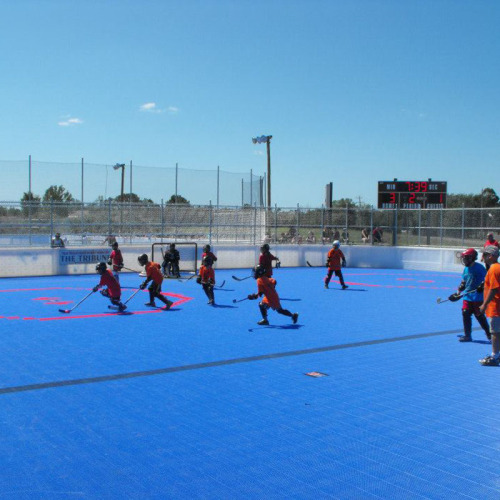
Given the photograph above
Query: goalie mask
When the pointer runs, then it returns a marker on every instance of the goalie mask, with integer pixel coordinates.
(468, 257)
(206, 248)
(336, 244)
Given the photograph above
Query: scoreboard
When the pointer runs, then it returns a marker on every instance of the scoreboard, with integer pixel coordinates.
(412, 194)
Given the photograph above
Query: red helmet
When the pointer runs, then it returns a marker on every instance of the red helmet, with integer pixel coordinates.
(469, 256)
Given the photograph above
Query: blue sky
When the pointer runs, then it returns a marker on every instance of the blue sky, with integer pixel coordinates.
(352, 92)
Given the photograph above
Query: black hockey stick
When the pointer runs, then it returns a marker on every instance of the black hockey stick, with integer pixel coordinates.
(458, 297)
(309, 264)
(241, 279)
(75, 306)
(218, 287)
(133, 295)
(239, 300)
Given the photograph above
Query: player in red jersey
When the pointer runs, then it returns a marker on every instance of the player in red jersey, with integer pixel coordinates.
(209, 254)
(266, 260)
(116, 260)
(113, 291)
(266, 287)
(490, 241)
(153, 273)
(335, 261)
(207, 279)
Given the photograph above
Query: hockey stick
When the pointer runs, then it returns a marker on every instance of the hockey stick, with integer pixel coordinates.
(75, 306)
(128, 269)
(309, 264)
(441, 301)
(239, 300)
(241, 279)
(220, 286)
(133, 295)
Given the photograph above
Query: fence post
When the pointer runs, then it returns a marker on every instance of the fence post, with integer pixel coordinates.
(109, 217)
(463, 225)
(298, 222)
(371, 225)
(276, 223)
(51, 218)
(162, 220)
(210, 222)
(441, 228)
(419, 224)
(322, 223)
(255, 224)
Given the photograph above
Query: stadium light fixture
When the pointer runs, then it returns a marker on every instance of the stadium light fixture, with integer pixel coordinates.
(266, 139)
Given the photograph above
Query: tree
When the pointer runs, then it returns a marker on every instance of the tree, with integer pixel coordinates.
(30, 203)
(486, 199)
(178, 199)
(58, 194)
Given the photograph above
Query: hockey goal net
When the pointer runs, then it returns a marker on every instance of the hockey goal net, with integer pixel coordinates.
(188, 253)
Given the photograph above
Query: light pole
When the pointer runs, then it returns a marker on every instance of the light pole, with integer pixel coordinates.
(116, 167)
(259, 140)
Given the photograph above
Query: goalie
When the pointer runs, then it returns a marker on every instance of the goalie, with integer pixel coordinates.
(170, 265)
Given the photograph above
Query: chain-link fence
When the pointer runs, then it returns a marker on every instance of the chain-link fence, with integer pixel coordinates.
(34, 223)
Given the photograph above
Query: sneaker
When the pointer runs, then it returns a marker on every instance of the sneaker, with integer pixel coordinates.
(211, 302)
(150, 304)
(263, 322)
(490, 361)
(295, 317)
(168, 305)
(326, 286)
(122, 307)
(344, 287)
(465, 338)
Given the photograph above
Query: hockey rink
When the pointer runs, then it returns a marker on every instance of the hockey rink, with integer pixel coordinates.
(369, 395)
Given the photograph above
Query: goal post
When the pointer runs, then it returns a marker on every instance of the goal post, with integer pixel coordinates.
(188, 252)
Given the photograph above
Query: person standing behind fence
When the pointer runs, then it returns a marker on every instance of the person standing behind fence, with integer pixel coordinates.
(57, 241)
(491, 304)
(490, 240)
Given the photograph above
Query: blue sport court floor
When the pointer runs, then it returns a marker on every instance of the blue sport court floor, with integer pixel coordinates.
(200, 402)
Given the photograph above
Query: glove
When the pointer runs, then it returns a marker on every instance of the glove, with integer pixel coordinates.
(454, 297)
(252, 296)
(344, 263)
(278, 264)
(461, 287)
(143, 286)
(95, 289)
(109, 262)
(198, 280)
(120, 266)
(480, 288)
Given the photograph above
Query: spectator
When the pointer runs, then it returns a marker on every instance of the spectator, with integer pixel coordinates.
(377, 235)
(110, 239)
(326, 236)
(345, 236)
(311, 238)
(336, 235)
(57, 241)
(490, 240)
(365, 235)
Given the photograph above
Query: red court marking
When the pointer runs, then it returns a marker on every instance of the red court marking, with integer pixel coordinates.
(29, 318)
(405, 279)
(426, 281)
(60, 303)
(46, 298)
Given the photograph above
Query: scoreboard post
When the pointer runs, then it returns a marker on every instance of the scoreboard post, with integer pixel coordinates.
(412, 194)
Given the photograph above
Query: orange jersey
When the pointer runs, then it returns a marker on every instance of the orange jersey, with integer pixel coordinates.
(492, 281)
(334, 258)
(266, 286)
(207, 275)
(153, 272)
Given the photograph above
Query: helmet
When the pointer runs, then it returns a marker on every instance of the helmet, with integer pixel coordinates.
(58, 235)
(101, 267)
(259, 271)
(264, 248)
(142, 259)
(114, 245)
(172, 246)
(336, 244)
(206, 248)
(468, 257)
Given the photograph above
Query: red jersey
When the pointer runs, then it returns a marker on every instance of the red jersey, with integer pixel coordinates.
(207, 275)
(116, 259)
(493, 243)
(153, 272)
(210, 255)
(334, 259)
(114, 289)
(266, 287)
(266, 261)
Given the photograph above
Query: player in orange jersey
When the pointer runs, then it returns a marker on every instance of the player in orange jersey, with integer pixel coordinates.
(153, 273)
(334, 261)
(207, 279)
(266, 287)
